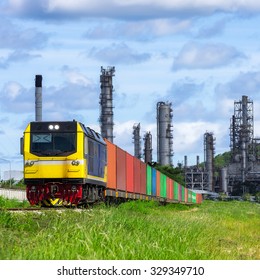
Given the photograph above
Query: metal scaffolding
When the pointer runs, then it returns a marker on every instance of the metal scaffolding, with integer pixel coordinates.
(244, 167)
(241, 139)
(201, 177)
(242, 129)
(196, 178)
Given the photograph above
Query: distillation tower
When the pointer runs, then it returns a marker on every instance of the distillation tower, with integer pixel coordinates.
(106, 103)
(209, 148)
(148, 147)
(164, 133)
(241, 134)
(245, 164)
(137, 140)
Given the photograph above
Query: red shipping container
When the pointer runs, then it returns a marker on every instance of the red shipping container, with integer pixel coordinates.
(143, 177)
(158, 183)
(186, 195)
(137, 175)
(199, 198)
(111, 165)
(120, 169)
(169, 188)
(180, 192)
(129, 173)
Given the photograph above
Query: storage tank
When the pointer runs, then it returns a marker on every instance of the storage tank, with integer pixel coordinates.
(164, 133)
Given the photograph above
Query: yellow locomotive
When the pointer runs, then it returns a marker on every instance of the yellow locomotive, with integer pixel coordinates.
(65, 163)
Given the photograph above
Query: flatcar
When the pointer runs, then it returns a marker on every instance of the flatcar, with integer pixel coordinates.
(69, 164)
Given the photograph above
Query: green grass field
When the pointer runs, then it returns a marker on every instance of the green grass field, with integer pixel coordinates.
(133, 230)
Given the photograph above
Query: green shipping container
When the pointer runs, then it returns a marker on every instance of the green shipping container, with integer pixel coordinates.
(194, 197)
(148, 180)
(163, 189)
(176, 191)
(182, 193)
(189, 196)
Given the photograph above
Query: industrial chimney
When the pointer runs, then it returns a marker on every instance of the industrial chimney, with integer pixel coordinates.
(38, 98)
(106, 103)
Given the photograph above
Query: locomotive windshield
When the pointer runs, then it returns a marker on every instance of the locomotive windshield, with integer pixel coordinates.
(53, 144)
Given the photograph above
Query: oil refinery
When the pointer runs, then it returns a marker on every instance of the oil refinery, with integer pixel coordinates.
(241, 171)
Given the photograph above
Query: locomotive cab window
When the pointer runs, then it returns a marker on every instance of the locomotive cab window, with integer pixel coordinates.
(53, 144)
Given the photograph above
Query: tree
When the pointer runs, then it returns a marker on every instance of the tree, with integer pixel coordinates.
(222, 160)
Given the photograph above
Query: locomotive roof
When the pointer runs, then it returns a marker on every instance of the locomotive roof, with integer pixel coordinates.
(62, 126)
(66, 126)
(92, 134)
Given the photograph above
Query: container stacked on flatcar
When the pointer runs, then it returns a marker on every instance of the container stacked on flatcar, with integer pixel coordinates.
(130, 178)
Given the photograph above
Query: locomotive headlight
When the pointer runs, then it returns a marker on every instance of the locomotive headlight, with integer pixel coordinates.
(75, 162)
(33, 188)
(54, 126)
(73, 188)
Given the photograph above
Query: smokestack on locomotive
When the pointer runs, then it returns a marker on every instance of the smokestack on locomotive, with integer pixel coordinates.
(38, 98)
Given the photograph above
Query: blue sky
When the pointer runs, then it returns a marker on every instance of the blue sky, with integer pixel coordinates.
(199, 55)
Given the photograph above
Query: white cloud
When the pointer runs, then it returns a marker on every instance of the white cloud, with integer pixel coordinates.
(195, 55)
(17, 37)
(12, 90)
(244, 83)
(75, 77)
(188, 136)
(140, 30)
(213, 5)
(140, 39)
(118, 54)
(131, 8)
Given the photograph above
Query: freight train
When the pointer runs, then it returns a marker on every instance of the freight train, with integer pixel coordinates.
(69, 164)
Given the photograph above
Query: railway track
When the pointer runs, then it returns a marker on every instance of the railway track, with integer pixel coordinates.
(41, 209)
(28, 209)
